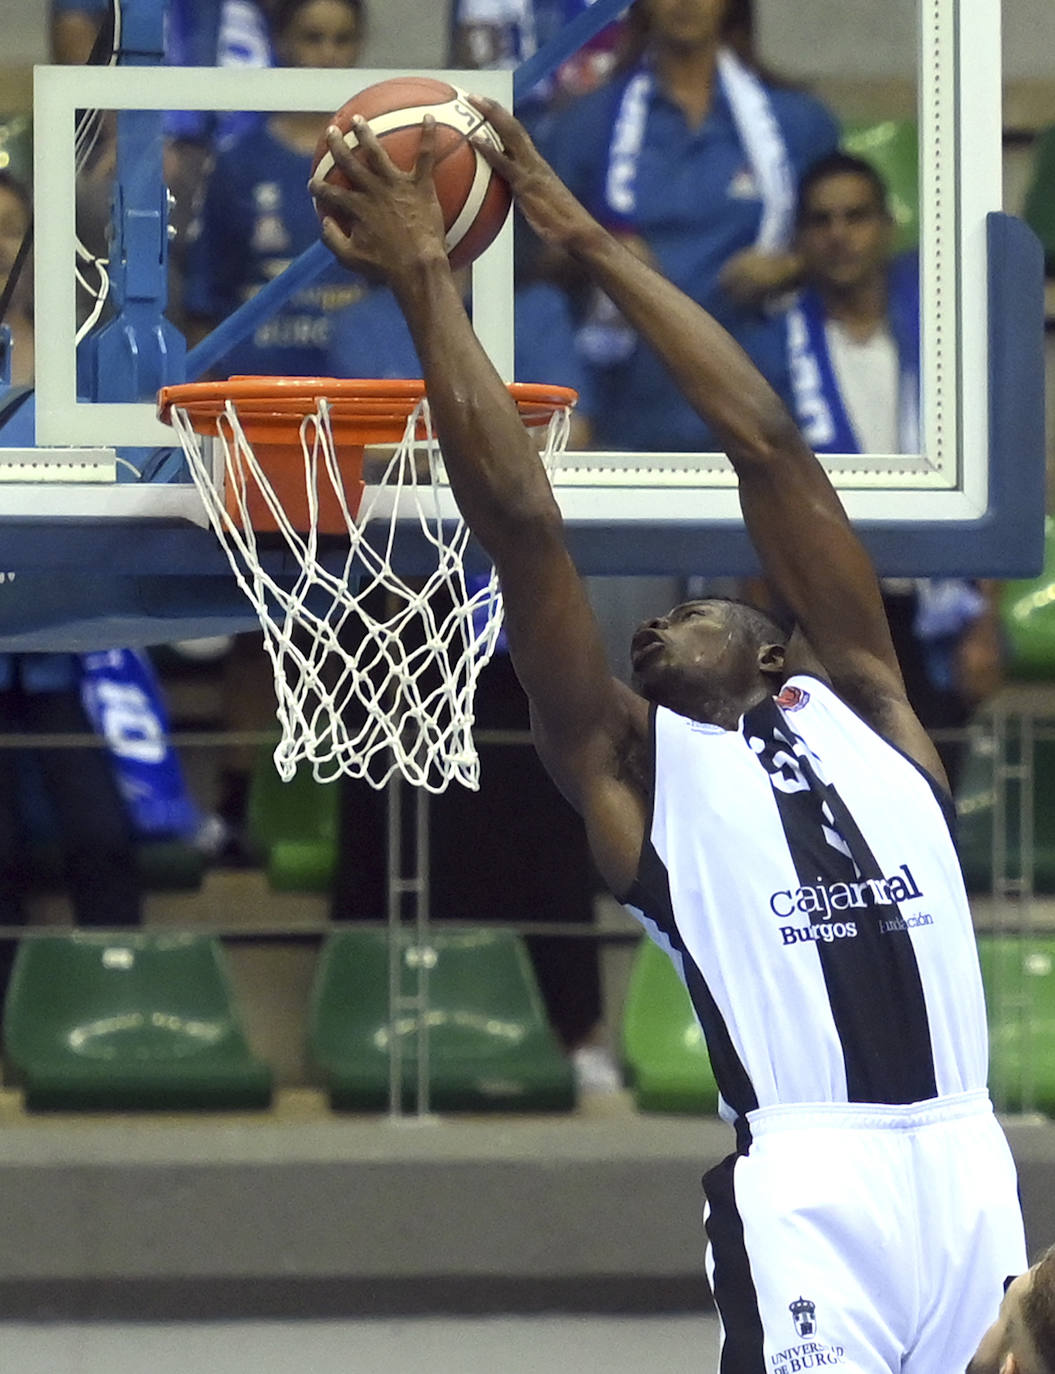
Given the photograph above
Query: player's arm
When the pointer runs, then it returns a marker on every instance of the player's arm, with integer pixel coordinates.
(586, 722)
(812, 559)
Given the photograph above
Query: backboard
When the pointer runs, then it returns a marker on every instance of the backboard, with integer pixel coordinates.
(970, 502)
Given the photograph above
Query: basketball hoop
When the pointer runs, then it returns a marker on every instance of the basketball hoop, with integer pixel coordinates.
(374, 673)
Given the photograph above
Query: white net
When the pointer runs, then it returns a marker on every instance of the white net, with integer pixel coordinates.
(374, 672)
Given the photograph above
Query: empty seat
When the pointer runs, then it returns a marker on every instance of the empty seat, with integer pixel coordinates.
(293, 827)
(490, 1046)
(664, 1055)
(108, 1022)
(1019, 976)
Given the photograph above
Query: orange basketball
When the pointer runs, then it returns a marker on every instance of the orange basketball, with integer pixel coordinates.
(474, 200)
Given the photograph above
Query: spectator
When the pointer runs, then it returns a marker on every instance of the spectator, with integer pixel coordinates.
(853, 365)
(257, 215)
(692, 155)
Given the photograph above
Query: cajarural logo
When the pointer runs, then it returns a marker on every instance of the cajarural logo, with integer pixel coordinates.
(833, 899)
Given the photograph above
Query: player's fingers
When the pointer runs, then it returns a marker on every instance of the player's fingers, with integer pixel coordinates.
(508, 127)
(337, 241)
(426, 158)
(340, 199)
(344, 157)
(375, 156)
(489, 152)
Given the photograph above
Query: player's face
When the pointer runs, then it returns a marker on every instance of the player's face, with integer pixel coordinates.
(1006, 1348)
(685, 23)
(844, 234)
(695, 654)
(322, 33)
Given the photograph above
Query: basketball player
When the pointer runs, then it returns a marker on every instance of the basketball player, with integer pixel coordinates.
(773, 808)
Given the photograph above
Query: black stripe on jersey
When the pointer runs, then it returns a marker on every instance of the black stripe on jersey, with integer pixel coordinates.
(651, 892)
(873, 979)
(735, 1295)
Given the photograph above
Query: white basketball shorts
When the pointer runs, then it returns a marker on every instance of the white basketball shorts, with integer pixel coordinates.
(867, 1239)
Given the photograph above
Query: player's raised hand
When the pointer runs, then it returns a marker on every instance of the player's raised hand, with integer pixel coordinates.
(546, 203)
(376, 218)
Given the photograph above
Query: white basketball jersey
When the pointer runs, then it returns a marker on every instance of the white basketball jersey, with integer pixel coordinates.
(801, 872)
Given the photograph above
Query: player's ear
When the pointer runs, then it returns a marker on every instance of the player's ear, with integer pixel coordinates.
(771, 659)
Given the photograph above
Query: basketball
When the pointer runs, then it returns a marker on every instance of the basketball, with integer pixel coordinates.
(474, 200)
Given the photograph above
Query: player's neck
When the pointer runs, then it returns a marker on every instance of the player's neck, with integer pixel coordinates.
(724, 711)
(687, 76)
(860, 309)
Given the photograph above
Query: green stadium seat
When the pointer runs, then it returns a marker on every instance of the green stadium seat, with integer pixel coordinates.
(1019, 976)
(664, 1056)
(293, 827)
(892, 147)
(490, 1045)
(114, 1022)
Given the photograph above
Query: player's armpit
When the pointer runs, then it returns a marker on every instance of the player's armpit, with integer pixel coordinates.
(605, 775)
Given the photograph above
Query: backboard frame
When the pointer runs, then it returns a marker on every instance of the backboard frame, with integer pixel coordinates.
(970, 503)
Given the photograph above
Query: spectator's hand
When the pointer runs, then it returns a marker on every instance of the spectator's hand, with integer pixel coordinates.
(751, 277)
(547, 204)
(386, 221)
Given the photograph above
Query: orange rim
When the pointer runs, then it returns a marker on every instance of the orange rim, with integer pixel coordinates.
(361, 411)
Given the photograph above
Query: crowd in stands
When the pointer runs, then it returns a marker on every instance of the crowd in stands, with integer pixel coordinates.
(728, 177)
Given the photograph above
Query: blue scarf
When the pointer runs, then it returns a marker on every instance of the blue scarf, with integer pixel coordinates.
(123, 702)
(757, 128)
(819, 405)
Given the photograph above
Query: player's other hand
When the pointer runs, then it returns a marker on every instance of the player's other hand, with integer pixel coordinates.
(384, 222)
(547, 204)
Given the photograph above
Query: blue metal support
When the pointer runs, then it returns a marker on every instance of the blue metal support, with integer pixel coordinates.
(139, 350)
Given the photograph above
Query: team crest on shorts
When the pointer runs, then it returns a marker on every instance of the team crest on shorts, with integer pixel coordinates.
(811, 1353)
(792, 698)
(803, 1313)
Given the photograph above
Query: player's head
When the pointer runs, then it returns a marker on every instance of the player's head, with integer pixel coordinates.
(318, 33)
(843, 224)
(709, 659)
(1022, 1339)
